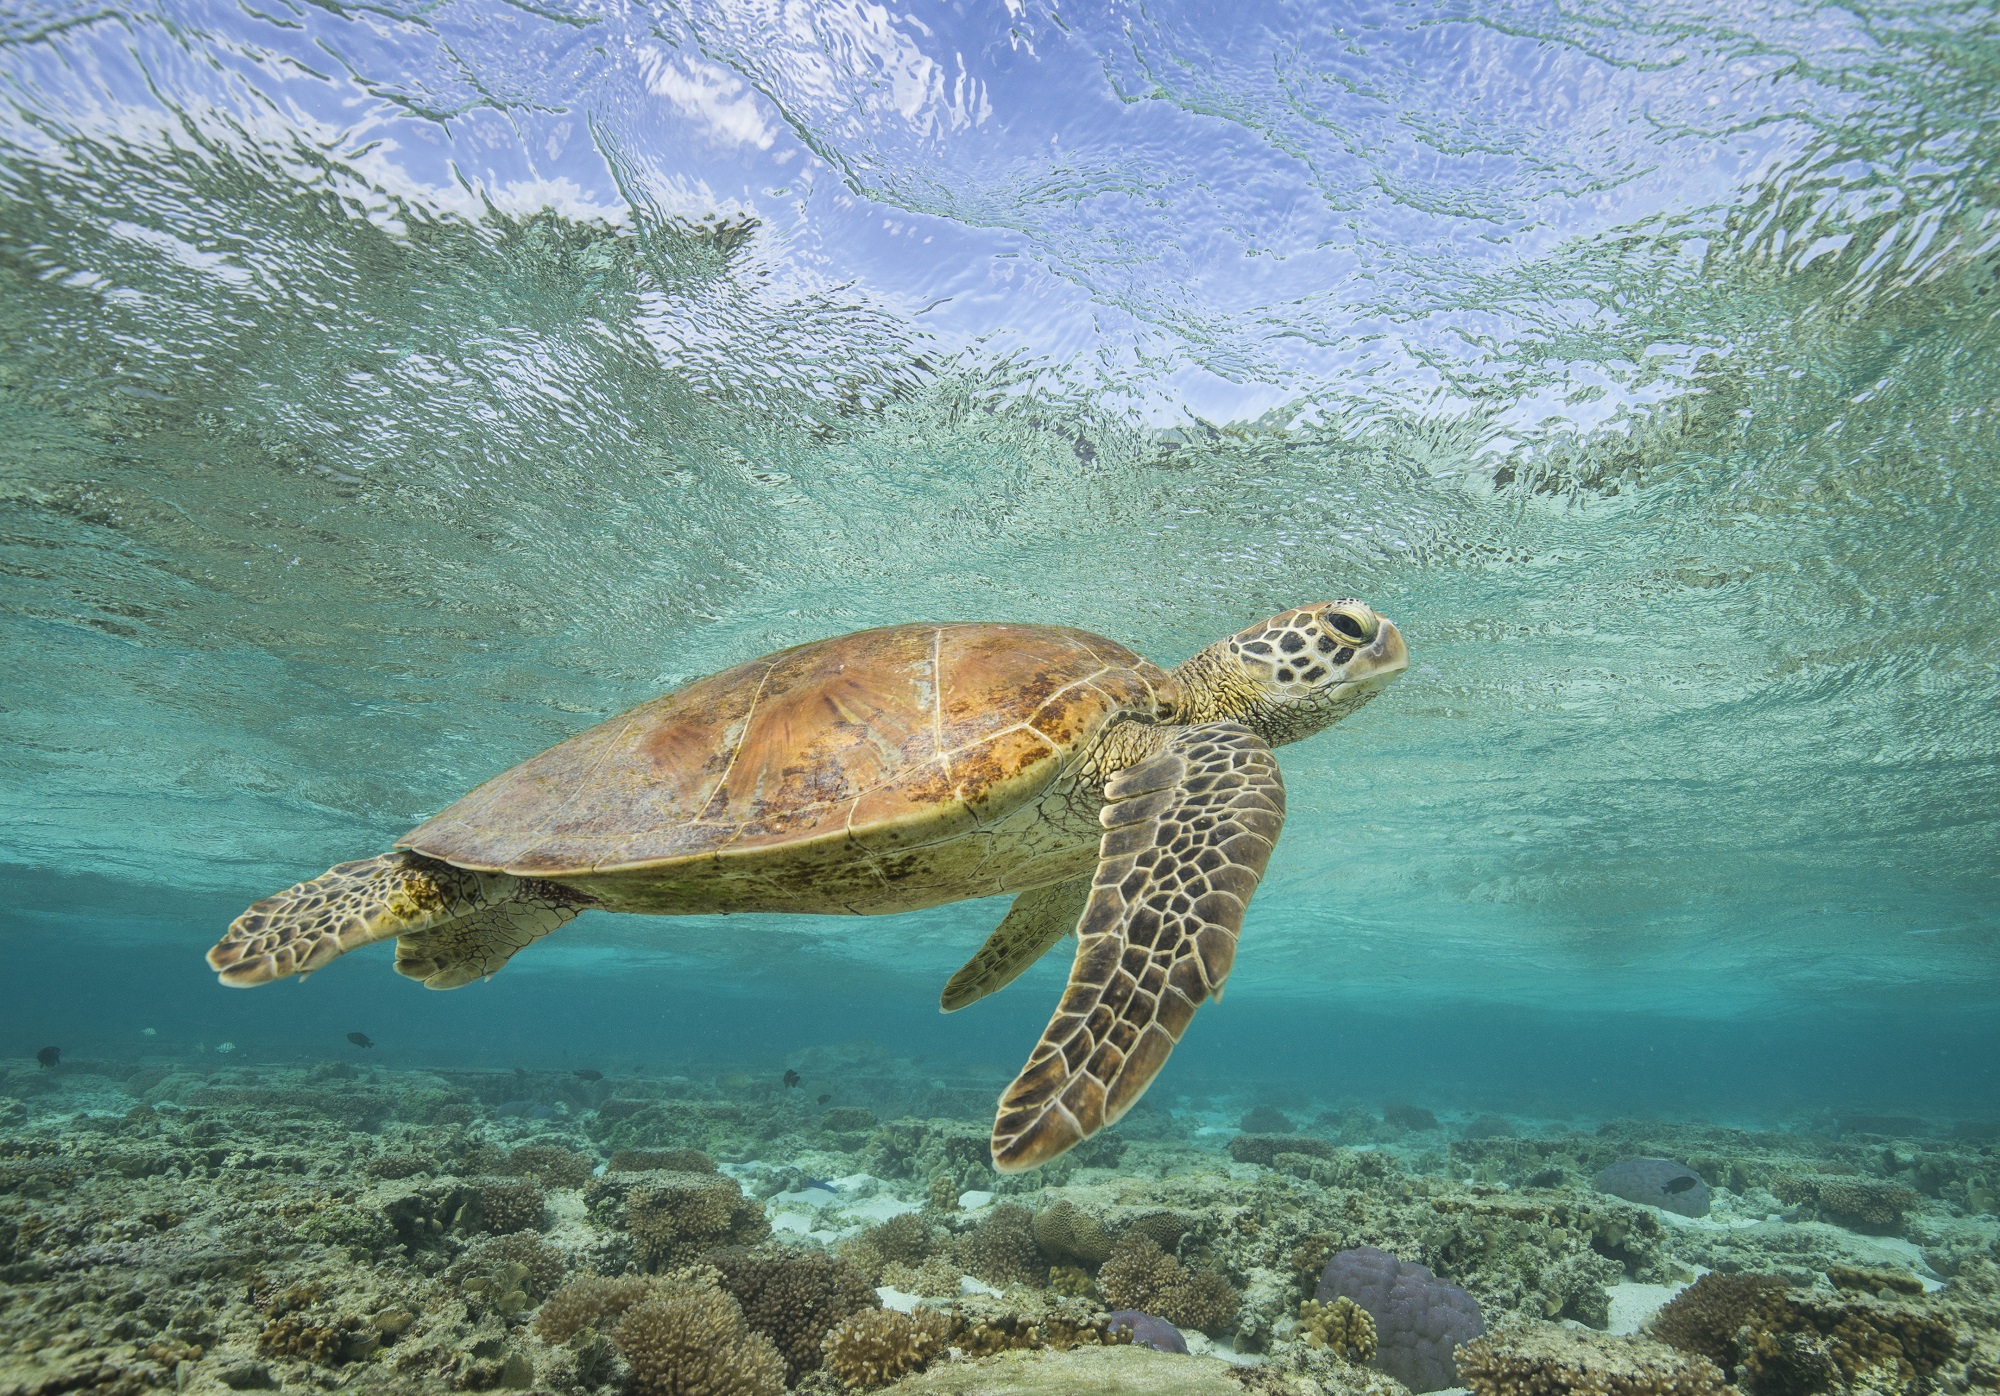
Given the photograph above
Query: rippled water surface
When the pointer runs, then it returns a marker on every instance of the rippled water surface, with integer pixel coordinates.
(388, 391)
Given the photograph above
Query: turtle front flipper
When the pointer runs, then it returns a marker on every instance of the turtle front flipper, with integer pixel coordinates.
(1187, 835)
(1039, 918)
(356, 904)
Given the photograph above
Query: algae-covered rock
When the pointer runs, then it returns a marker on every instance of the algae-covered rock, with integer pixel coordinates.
(1656, 1182)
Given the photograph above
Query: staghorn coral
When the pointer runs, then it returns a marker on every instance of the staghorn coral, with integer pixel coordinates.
(511, 1204)
(677, 1217)
(660, 1161)
(1001, 1250)
(876, 1346)
(1066, 1232)
(1139, 1275)
(590, 1301)
(1342, 1325)
(1842, 1198)
(689, 1339)
(1704, 1318)
(1545, 1359)
(550, 1165)
(794, 1298)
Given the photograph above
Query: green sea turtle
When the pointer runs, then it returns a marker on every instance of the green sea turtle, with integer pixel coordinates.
(893, 770)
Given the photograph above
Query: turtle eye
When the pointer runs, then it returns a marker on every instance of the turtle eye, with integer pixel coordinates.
(1358, 627)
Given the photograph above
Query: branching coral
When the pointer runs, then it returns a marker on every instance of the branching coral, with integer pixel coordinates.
(542, 1267)
(680, 1216)
(589, 1301)
(1139, 1275)
(1704, 1318)
(551, 1166)
(511, 1204)
(1001, 1250)
(1805, 1342)
(1868, 1201)
(794, 1298)
(660, 1160)
(1342, 1325)
(1543, 1359)
(876, 1346)
(690, 1340)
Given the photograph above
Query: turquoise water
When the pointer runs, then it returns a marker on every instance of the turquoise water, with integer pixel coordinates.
(389, 391)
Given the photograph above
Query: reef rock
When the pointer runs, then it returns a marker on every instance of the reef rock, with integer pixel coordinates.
(1419, 1318)
(1657, 1182)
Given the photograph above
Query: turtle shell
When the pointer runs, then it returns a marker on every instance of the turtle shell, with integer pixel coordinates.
(902, 735)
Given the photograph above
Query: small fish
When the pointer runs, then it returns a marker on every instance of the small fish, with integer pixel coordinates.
(826, 1097)
(588, 1075)
(225, 1047)
(49, 1056)
(361, 1039)
(790, 1078)
(1681, 1184)
(150, 1032)
(822, 1184)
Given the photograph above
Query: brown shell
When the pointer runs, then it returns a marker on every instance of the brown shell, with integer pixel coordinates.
(919, 729)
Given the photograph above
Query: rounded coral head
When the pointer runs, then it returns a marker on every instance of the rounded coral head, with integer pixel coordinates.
(1307, 668)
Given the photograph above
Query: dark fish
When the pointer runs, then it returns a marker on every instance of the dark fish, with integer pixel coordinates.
(822, 1184)
(825, 1098)
(1681, 1184)
(588, 1075)
(361, 1039)
(49, 1056)
(791, 1078)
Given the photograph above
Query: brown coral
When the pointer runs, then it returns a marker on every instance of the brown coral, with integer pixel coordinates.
(1806, 1342)
(876, 1346)
(589, 1301)
(1704, 1318)
(1868, 1201)
(1139, 1275)
(1342, 1325)
(1066, 1232)
(1001, 1250)
(1545, 1359)
(680, 1216)
(660, 1161)
(550, 1165)
(691, 1340)
(511, 1204)
(793, 1298)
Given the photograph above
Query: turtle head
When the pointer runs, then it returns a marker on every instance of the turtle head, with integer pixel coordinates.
(1297, 672)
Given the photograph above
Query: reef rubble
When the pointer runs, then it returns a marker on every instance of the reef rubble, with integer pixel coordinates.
(201, 1227)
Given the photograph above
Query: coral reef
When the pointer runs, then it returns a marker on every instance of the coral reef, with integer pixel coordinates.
(1265, 1119)
(1001, 1249)
(1840, 1198)
(691, 1340)
(1546, 1359)
(875, 1346)
(1705, 1317)
(1146, 1330)
(1656, 1182)
(1803, 1342)
(1341, 1325)
(658, 1161)
(793, 1297)
(1139, 1275)
(1419, 1319)
(511, 1204)
(675, 1218)
(590, 1301)
(1066, 1232)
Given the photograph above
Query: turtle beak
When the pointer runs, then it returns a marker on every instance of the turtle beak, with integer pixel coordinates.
(1383, 661)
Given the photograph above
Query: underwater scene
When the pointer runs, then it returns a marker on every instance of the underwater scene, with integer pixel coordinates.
(795, 588)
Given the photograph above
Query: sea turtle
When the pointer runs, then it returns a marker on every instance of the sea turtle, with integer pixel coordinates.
(892, 770)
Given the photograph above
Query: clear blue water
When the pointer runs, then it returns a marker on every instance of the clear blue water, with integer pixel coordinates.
(387, 392)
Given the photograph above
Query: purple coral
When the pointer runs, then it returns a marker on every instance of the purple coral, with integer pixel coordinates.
(1657, 1182)
(1419, 1318)
(1147, 1330)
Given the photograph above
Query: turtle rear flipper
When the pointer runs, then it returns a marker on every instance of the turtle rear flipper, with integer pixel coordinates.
(1038, 919)
(356, 904)
(1187, 833)
(476, 946)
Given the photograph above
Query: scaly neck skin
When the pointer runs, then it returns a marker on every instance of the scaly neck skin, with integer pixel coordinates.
(1213, 688)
